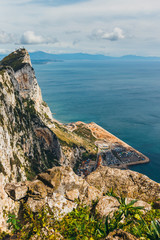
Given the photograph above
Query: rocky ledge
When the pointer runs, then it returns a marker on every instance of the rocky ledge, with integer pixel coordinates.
(62, 191)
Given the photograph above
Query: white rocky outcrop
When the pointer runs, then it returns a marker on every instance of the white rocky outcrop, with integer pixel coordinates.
(27, 145)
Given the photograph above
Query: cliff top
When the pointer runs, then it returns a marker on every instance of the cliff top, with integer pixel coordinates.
(16, 59)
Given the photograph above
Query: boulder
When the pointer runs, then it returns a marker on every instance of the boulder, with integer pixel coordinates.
(93, 194)
(58, 187)
(16, 191)
(60, 205)
(62, 179)
(37, 189)
(124, 183)
(35, 205)
(106, 205)
(72, 195)
(146, 206)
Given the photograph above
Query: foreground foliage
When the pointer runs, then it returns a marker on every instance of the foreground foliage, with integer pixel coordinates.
(83, 223)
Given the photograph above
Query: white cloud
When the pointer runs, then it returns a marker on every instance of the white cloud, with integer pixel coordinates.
(6, 37)
(29, 37)
(73, 22)
(115, 35)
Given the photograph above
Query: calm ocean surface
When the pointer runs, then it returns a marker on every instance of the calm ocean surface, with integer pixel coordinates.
(122, 97)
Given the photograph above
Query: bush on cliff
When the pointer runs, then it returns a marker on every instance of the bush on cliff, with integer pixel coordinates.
(83, 223)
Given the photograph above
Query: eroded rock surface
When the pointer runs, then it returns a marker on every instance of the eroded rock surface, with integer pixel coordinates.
(107, 205)
(125, 182)
(16, 191)
(58, 187)
(27, 145)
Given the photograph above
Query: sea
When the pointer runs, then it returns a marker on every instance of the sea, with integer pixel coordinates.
(121, 96)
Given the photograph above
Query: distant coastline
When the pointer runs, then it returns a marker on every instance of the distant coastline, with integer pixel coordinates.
(40, 57)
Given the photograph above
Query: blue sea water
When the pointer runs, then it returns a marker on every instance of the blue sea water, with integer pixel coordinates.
(123, 97)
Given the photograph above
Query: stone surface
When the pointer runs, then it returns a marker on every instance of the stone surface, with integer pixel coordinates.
(35, 205)
(107, 205)
(120, 235)
(60, 205)
(27, 145)
(125, 182)
(37, 189)
(146, 206)
(16, 191)
(63, 179)
(92, 195)
(72, 195)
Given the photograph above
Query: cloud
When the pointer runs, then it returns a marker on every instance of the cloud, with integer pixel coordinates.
(136, 22)
(6, 37)
(115, 35)
(29, 37)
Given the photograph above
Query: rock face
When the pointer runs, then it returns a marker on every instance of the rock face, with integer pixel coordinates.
(16, 191)
(31, 141)
(108, 205)
(126, 183)
(27, 145)
(58, 187)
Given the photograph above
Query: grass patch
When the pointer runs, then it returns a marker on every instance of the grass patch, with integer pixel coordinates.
(84, 132)
(72, 139)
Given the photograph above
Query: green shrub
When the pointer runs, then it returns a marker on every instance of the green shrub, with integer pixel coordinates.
(81, 224)
(14, 222)
(84, 224)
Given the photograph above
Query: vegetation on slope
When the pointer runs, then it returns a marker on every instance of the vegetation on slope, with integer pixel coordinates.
(75, 138)
(14, 60)
(84, 223)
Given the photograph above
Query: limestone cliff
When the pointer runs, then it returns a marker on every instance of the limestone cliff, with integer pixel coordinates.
(27, 145)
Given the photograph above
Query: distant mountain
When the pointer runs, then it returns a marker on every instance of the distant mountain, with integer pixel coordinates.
(134, 57)
(67, 56)
(41, 57)
(84, 56)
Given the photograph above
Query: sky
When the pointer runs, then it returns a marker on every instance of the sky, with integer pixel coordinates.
(108, 27)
